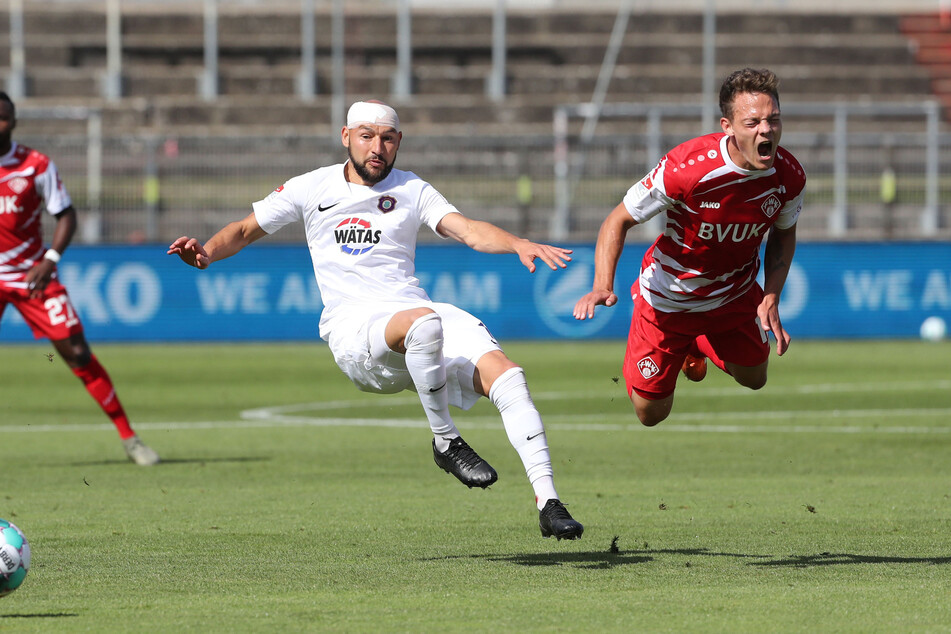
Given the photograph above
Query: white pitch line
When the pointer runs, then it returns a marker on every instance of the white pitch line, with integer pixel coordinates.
(294, 415)
(578, 422)
(834, 388)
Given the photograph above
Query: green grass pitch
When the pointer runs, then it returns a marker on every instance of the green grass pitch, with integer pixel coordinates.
(290, 502)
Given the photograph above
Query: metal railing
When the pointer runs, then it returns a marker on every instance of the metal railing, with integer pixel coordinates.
(571, 163)
(862, 185)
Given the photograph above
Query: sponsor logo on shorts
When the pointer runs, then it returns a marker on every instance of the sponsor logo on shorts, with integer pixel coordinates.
(647, 367)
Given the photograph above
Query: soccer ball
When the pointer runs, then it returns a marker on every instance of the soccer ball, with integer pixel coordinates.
(933, 329)
(14, 557)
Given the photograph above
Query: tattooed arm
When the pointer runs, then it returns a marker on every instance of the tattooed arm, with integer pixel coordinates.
(780, 247)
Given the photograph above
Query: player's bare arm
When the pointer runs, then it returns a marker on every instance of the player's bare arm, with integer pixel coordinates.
(40, 275)
(607, 252)
(780, 248)
(227, 242)
(488, 238)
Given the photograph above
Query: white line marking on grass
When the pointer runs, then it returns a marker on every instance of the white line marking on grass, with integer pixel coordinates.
(829, 388)
(259, 419)
(299, 415)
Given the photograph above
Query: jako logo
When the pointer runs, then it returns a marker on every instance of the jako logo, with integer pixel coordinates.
(355, 236)
(709, 205)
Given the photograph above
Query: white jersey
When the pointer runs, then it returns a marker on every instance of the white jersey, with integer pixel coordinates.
(362, 240)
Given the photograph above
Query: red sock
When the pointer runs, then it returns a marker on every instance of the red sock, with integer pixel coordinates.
(702, 345)
(99, 386)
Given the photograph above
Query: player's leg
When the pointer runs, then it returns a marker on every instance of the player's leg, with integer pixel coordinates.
(51, 316)
(652, 361)
(739, 346)
(504, 383)
(742, 353)
(75, 351)
(651, 411)
(417, 333)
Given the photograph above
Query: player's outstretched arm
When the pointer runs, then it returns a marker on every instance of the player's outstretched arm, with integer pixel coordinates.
(488, 238)
(780, 247)
(227, 242)
(607, 252)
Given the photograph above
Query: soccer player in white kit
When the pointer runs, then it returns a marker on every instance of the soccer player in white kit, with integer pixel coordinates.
(361, 220)
(696, 297)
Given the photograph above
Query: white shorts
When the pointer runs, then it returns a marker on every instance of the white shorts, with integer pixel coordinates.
(359, 347)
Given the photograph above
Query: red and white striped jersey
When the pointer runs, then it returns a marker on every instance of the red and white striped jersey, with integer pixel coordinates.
(717, 217)
(29, 184)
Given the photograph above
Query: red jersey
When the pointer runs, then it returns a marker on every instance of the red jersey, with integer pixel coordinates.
(29, 185)
(717, 217)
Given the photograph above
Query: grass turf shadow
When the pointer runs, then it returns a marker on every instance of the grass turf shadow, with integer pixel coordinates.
(48, 615)
(838, 559)
(613, 558)
(595, 560)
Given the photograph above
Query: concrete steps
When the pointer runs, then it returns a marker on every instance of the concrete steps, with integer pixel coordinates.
(554, 57)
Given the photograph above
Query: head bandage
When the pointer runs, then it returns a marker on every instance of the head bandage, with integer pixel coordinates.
(364, 112)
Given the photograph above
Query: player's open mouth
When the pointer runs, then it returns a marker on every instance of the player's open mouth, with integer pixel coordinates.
(765, 150)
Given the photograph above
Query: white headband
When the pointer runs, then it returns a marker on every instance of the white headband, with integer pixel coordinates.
(364, 112)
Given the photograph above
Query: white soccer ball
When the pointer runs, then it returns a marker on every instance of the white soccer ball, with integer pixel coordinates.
(933, 329)
(14, 557)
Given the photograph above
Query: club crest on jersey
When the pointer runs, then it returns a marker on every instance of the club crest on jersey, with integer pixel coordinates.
(356, 236)
(18, 184)
(771, 205)
(647, 367)
(386, 204)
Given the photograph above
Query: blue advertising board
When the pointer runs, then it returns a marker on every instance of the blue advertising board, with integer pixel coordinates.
(268, 292)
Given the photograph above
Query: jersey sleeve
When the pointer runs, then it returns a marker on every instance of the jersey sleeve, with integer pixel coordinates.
(51, 189)
(433, 207)
(648, 197)
(789, 214)
(795, 178)
(281, 207)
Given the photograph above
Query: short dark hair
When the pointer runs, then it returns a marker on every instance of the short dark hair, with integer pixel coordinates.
(5, 97)
(747, 80)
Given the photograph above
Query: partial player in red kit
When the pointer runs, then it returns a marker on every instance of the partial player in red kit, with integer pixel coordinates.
(30, 186)
(697, 297)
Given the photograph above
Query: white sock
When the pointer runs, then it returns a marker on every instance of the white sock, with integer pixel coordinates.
(424, 361)
(525, 430)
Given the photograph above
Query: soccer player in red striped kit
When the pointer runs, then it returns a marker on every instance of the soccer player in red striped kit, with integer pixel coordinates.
(29, 186)
(696, 297)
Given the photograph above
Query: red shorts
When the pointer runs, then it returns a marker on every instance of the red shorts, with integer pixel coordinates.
(658, 343)
(49, 316)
